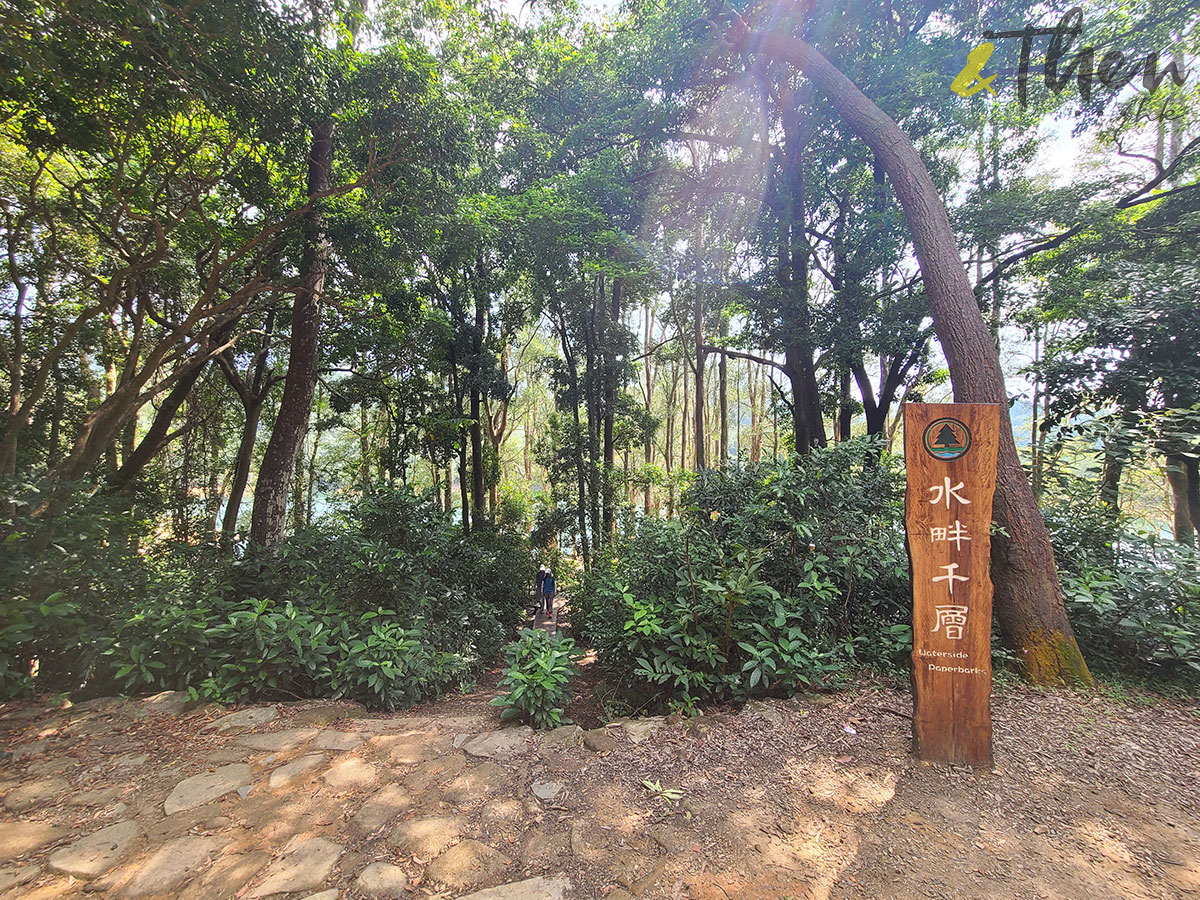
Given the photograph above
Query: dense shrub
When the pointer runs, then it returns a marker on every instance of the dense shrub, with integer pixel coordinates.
(778, 576)
(536, 682)
(1133, 598)
(1141, 613)
(389, 606)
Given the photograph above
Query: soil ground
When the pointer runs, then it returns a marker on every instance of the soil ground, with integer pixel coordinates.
(1091, 797)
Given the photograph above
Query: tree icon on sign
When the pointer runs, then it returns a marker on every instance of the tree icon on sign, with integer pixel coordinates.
(947, 438)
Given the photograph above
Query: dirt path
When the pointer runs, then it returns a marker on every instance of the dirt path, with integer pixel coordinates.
(813, 798)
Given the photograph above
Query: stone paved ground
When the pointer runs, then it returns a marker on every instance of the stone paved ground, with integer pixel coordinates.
(813, 799)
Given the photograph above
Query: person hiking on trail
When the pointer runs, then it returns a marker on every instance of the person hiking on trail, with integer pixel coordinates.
(548, 592)
(537, 592)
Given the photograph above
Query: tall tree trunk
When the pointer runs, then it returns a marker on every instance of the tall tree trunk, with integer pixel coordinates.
(1177, 477)
(295, 406)
(698, 329)
(845, 415)
(808, 425)
(648, 446)
(463, 498)
(610, 409)
(1191, 465)
(1029, 602)
(478, 481)
(1110, 482)
(527, 451)
(241, 470)
(684, 426)
(723, 402)
(364, 454)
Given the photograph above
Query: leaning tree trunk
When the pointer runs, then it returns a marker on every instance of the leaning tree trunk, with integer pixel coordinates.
(1029, 601)
(295, 406)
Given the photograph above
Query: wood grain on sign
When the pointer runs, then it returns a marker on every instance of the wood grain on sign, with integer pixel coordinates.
(950, 458)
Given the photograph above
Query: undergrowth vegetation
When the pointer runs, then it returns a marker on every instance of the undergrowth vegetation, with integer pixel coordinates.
(388, 604)
(536, 684)
(787, 576)
(778, 577)
(1133, 597)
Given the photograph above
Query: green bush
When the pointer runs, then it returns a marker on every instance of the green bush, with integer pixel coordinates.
(536, 682)
(779, 576)
(390, 605)
(1141, 614)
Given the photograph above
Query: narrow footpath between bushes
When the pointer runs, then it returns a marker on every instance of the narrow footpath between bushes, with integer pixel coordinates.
(810, 798)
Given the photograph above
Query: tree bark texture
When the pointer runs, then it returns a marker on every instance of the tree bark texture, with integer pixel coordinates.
(295, 406)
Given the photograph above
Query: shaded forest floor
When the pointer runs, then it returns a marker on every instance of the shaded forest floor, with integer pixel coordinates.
(1090, 798)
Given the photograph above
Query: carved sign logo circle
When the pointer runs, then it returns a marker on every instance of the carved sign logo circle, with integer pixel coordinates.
(946, 439)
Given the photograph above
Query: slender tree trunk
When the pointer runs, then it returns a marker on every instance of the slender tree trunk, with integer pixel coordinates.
(1177, 478)
(698, 328)
(241, 471)
(610, 408)
(1110, 482)
(683, 427)
(1029, 602)
(364, 451)
(157, 436)
(463, 497)
(295, 406)
(845, 416)
(1191, 465)
(723, 402)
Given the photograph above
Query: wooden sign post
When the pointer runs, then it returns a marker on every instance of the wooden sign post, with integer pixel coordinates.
(950, 459)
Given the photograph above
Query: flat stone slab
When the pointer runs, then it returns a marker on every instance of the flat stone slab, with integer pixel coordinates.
(476, 785)
(30, 750)
(22, 838)
(172, 865)
(228, 875)
(467, 864)
(130, 760)
(99, 796)
(337, 740)
(246, 718)
(170, 703)
(328, 712)
(381, 880)
(563, 736)
(599, 740)
(554, 887)
(757, 709)
(12, 876)
(380, 809)
(501, 744)
(427, 837)
(641, 729)
(410, 748)
(92, 856)
(331, 894)
(426, 777)
(543, 849)
(302, 868)
(546, 790)
(349, 774)
(296, 769)
(207, 787)
(55, 765)
(31, 793)
(279, 741)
